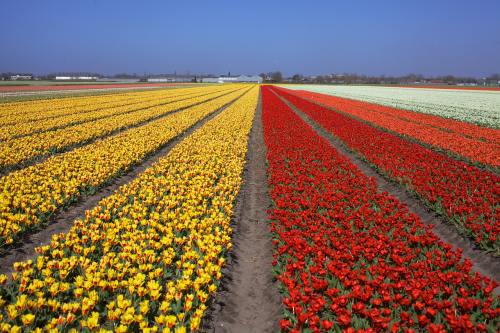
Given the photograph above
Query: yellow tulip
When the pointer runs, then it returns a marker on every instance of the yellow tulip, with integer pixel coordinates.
(163, 237)
(27, 319)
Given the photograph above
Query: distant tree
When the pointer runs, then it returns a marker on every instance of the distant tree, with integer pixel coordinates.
(276, 77)
(450, 79)
(494, 77)
(125, 76)
(297, 78)
(349, 78)
(412, 77)
(320, 79)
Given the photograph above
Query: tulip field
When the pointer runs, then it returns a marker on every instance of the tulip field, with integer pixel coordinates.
(147, 188)
(474, 106)
(467, 195)
(350, 257)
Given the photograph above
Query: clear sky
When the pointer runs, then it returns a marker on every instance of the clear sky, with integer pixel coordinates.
(309, 37)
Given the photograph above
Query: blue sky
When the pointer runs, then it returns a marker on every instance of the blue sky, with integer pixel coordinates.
(309, 37)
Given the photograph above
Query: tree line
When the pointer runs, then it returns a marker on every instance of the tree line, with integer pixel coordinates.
(348, 78)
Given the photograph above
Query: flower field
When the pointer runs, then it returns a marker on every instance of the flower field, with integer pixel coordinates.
(62, 179)
(474, 106)
(22, 126)
(143, 257)
(30, 111)
(19, 150)
(350, 258)
(172, 210)
(477, 144)
(468, 196)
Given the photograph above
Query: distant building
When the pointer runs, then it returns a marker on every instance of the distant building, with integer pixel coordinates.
(119, 80)
(467, 84)
(21, 77)
(171, 78)
(76, 78)
(210, 80)
(234, 79)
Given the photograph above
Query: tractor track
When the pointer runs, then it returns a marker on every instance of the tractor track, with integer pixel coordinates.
(248, 299)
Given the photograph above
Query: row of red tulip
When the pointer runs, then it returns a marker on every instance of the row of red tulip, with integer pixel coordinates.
(466, 195)
(476, 143)
(350, 258)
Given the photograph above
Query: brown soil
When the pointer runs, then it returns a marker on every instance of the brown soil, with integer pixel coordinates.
(62, 222)
(483, 262)
(248, 300)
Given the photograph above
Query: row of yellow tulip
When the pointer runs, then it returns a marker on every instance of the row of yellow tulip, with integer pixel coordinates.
(31, 195)
(53, 107)
(149, 256)
(24, 128)
(23, 112)
(20, 150)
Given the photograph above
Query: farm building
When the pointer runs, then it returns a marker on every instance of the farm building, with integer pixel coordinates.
(76, 78)
(21, 77)
(171, 78)
(240, 78)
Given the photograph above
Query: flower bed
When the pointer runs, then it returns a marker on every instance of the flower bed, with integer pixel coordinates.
(466, 195)
(30, 197)
(349, 258)
(475, 143)
(148, 257)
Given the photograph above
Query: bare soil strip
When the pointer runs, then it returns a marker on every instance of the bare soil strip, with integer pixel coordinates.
(482, 262)
(37, 159)
(63, 221)
(248, 299)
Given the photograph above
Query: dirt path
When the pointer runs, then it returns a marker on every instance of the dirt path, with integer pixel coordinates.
(62, 222)
(482, 262)
(249, 300)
